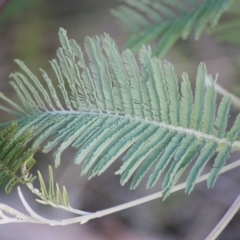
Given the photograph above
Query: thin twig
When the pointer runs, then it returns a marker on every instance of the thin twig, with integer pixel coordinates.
(151, 197)
(225, 220)
(35, 218)
(33, 214)
(98, 214)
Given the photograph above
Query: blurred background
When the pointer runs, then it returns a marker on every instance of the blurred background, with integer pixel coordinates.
(28, 31)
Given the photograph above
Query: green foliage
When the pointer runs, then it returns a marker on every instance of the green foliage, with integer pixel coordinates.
(14, 165)
(52, 193)
(113, 107)
(167, 20)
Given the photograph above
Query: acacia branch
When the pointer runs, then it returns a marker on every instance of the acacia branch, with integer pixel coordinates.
(34, 217)
(151, 197)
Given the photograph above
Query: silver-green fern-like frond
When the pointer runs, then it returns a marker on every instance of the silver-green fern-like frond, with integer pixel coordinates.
(13, 159)
(113, 106)
(167, 20)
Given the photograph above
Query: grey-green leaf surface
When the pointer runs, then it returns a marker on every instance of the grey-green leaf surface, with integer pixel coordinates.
(109, 105)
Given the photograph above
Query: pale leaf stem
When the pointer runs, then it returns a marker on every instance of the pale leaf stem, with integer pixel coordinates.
(35, 218)
(156, 195)
(98, 214)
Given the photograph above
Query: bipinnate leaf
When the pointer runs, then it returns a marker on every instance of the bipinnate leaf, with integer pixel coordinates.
(106, 105)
